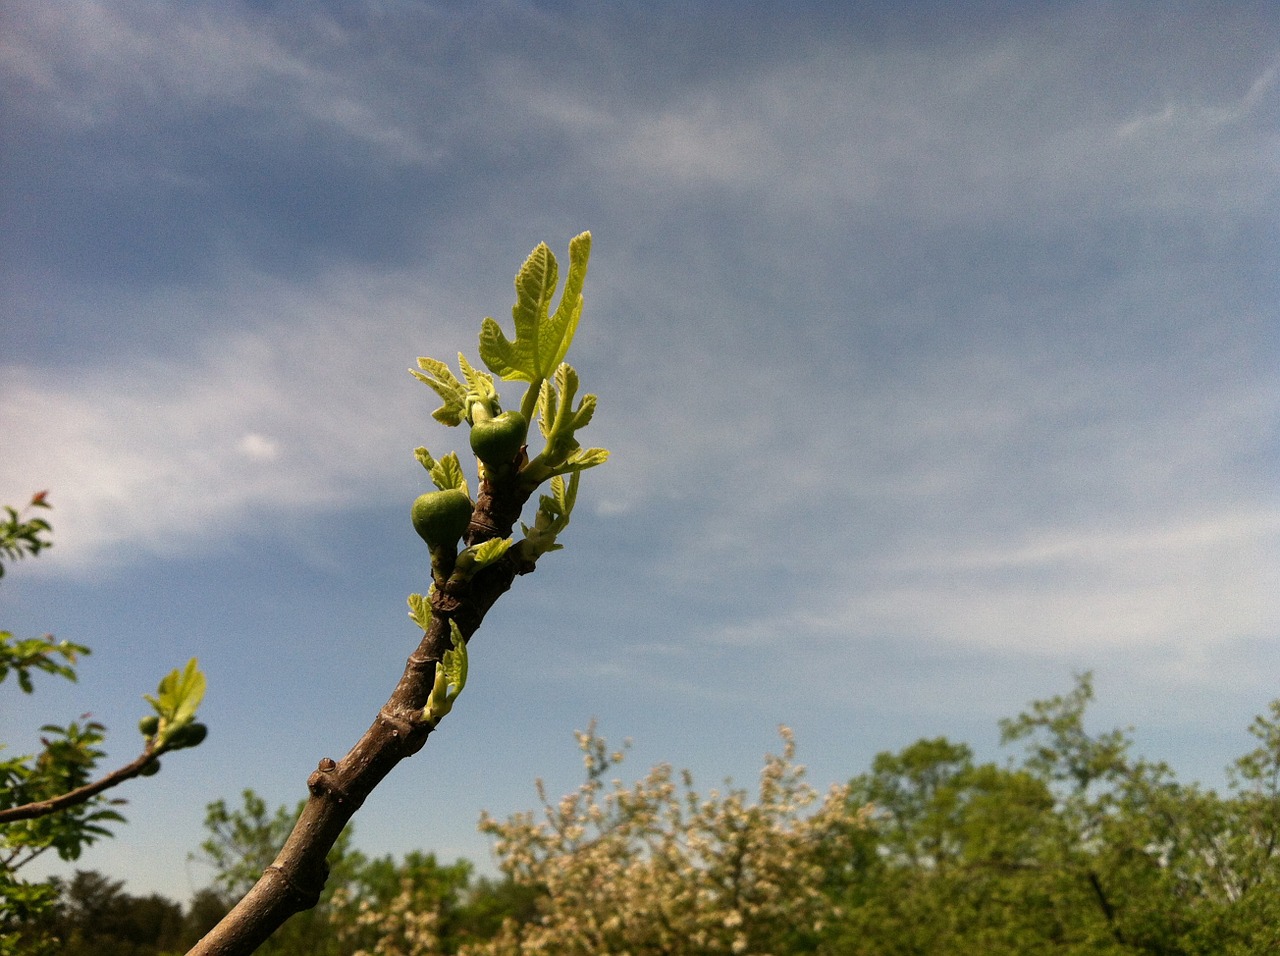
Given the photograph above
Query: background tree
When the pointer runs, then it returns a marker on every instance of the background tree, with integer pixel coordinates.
(659, 868)
(50, 800)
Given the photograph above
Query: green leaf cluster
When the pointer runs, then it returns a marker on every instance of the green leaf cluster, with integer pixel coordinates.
(534, 356)
(509, 471)
(69, 757)
(20, 535)
(446, 474)
(552, 517)
(21, 657)
(173, 726)
(38, 792)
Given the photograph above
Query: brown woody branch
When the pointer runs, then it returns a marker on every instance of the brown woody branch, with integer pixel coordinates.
(41, 808)
(296, 878)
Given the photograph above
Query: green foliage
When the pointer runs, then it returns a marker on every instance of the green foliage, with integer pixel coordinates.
(451, 678)
(414, 906)
(552, 517)
(175, 702)
(50, 800)
(1075, 846)
(21, 535)
(508, 476)
(68, 760)
(446, 474)
(21, 657)
(542, 339)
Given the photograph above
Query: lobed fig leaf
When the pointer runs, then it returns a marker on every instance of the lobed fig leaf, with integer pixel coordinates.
(541, 339)
(446, 474)
(444, 383)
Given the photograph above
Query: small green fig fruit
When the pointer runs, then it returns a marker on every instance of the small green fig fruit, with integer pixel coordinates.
(496, 441)
(441, 517)
(149, 725)
(150, 770)
(189, 736)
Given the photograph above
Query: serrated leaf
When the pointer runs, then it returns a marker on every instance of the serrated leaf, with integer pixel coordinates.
(546, 408)
(445, 384)
(455, 660)
(451, 672)
(420, 610)
(447, 474)
(566, 492)
(490, 551)
(566, 379)
(565, 322)
(541, 339)
(586, 411)
(424, 458)
(179, 694)
(477, 381)
(584, 458)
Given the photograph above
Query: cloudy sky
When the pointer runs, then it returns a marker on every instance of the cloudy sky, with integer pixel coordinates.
(936, 346)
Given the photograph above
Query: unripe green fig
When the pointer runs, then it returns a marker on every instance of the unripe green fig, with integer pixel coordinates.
(496, 441)
(189, 736)
(149, 725)
(441, 517)
(150, 770)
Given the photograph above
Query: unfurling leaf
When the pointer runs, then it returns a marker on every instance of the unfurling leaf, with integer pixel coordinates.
(552, 517)
(490, 551)
(445, 384)
(176, 700)
(451, 672)
(420, 611)
(541, 339)
(447, 474)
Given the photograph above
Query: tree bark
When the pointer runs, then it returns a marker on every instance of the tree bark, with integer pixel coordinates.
(296, 878)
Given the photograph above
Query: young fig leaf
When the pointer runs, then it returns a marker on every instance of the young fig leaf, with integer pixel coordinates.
(541, 339)
(584, 458)
(447, 474)
(450, 672)
(420, 611)
(490, 551)
(443, 382)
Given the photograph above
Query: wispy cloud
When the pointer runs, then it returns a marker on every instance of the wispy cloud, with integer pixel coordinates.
(306, 407)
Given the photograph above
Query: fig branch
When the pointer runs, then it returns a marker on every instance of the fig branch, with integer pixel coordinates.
(475, 558)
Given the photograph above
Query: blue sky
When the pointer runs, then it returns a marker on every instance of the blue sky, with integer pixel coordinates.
(936, 347)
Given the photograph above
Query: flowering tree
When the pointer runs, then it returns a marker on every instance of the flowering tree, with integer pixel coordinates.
(658, 868)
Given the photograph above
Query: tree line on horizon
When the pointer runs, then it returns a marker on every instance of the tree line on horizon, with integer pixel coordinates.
(1074, 846)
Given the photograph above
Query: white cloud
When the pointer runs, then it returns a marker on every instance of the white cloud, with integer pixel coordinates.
(94, 64)
(311, 410)
(259, 447)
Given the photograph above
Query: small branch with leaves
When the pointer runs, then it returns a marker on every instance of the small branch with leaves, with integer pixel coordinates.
(475, 558)
(171, 727)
